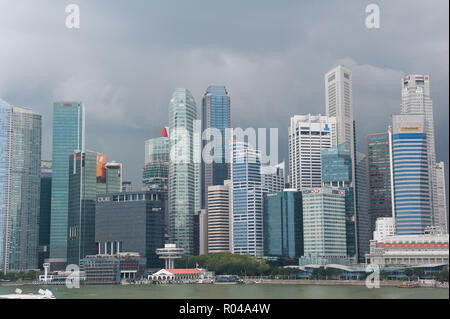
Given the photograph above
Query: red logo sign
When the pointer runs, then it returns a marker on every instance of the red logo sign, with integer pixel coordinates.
(316, 191)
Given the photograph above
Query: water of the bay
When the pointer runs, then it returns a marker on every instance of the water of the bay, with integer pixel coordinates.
(249, 291)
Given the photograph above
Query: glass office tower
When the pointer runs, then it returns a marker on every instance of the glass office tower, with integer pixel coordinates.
(68, 136)
(82, 197)
(215, 115)
(283, 224)
(379, 178)
(412, 188)
(337, 172)
(184, 170)
(247, 192)
(45, 210)
(20, 158)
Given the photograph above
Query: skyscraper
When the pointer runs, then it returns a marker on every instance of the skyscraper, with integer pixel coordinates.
(20, 159)
(308, 136)
(45, 209)
(379, 177)
(337, 173)
(156, 169)
(411, 182)
(339, 102)
(219, 218)
(416, 99)
(216, 114)
(83, 175)
(272, 177)
(68, 136)
(184, 170)
(283, 224)
(247, 199)
(362, 208)
(441, 218)
(324, 229)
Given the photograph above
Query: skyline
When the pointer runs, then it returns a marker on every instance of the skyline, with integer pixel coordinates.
(271, 70)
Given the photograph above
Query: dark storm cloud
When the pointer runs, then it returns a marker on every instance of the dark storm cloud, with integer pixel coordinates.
(129, 56)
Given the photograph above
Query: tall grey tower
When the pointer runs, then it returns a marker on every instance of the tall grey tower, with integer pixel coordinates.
(416, 100)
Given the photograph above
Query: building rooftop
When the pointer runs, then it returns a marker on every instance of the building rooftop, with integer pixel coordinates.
(184, 271)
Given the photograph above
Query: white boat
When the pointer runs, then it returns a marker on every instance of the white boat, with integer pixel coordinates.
(42, 294)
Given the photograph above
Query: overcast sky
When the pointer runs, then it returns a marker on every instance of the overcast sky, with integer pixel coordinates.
(129, 56)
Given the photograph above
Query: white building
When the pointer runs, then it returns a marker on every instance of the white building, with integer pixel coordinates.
(272, 177)
(409, 250)
(219, 218)
(440, 216)
(339, 102)
(416, 100)
(384, 226)
(308, 135)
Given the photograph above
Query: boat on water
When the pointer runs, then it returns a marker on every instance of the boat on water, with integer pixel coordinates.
(42, 294)
(408, 286)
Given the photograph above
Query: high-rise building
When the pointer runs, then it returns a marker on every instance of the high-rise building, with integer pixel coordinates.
(272, 177)
(283, 224)
(142, 212)
(84, 168)
(308, 136)
(378, 177)
(90, 174)
(20, 159)
(156, 170)
(324, 228)
(339, 102)
(416, 99)
(216, 115)
(440, 216)
(45, 209)
(219, 218)
(337, 172)
(362, 208)
(184, 170)
(247, 200)
(68, 136)
(412, 207)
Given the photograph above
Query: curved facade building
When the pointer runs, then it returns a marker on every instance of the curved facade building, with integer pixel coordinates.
(184, 170)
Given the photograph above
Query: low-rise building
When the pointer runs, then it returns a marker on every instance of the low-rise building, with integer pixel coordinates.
(409, 250)
(111, 269)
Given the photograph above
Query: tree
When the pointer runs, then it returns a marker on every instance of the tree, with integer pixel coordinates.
(418, 272)
(408, 272)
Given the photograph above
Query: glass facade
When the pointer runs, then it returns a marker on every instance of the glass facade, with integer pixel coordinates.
(20, 146)
(156, 170)
(215, 115)
(379, 178)
(247, 192)
(324, 223)
(143, 212)
(184, 170)
(283, 224)
(45, 210)
(412, 191)
(337, 164)
(68, 136)
(82, 198)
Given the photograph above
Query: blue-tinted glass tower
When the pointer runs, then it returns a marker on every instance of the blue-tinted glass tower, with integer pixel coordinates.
(215, 115)
(68, 136)
(412, 190)
(283, 224)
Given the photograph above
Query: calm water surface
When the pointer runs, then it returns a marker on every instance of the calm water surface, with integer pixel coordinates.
(250, 291)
